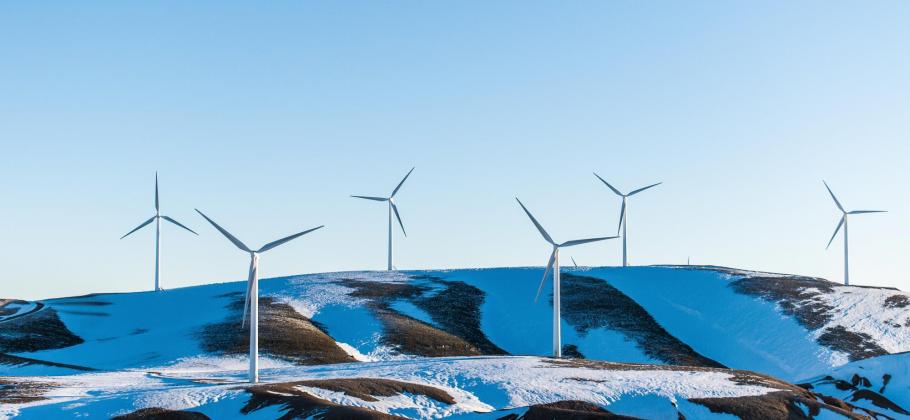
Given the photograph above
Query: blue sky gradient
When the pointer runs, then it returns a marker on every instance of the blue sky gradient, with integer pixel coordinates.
(268, 116)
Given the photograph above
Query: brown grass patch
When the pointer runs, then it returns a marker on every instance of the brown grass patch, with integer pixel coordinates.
(41, 330)
(778, 405)
(19, 391)
(10, 360)
(566, 410)
(368, 389)
(456, 310)
(857, 344)
(156, 413)
(297, 404)
(282, 332)
(413, 336)
(878, 400)
(795, 296)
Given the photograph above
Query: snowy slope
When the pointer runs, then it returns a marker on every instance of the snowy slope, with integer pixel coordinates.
(460, 387)
(880, 383)
(785, 326)
(699, 308)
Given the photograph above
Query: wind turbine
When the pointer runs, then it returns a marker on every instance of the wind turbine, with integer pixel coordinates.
(392, 208)
(624, 214)
(251, 299)
(843, 222)
(157, 219)
(554, 265)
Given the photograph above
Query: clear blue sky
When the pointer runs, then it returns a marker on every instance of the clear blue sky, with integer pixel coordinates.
(268, 116)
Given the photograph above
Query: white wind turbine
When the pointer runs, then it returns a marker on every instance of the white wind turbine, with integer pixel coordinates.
(554, 265)
(251, 299)
(157, 219)
(843, 222)
(392, 208)
(624, 214)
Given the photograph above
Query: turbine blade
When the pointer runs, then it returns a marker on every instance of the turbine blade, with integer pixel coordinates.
(545, 272)
(402, 182)
(156, 191)
(178, 224)
(573, 262)
(644, 188)
(866, 211)
(841, 223)
(225, 233)
(397, 216)
(622, 215)
(608, 184)
(139, 227)
(543, 232)
(370, 198)
(585, 241)
(281, 241)
(833, 197)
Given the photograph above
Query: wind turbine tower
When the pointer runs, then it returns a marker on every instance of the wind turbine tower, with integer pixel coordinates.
(843, 222)
(157, 219)
(251, 299)
(393, 208)
(623, 214)
(554, 265)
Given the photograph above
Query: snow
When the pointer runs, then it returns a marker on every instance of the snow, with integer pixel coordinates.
(864, 310)
(147, 348)
(17, 307)
(514, 322)
(137, 329)
(739, 331)
(897, 390)
(478, 384)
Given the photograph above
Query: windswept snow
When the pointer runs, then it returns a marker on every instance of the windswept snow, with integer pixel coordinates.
(880, 313)
(147, 345)
(879, 383)
(477, 384)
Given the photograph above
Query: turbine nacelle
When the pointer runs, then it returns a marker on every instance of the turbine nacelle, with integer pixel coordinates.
(254, 254)
(393, 208)
(845, 213)
(157, 218)
(556, 246)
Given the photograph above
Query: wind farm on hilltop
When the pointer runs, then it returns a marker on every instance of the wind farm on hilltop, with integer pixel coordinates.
(388, 323)
(687, 280)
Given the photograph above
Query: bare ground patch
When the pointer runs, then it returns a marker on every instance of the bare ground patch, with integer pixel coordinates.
(15, 390)
(456, 309)
(897, 301)
(157, 413)
(5, 310)
(283, 332)
(10, 360)
(297, 404)
(41, 330)
(777, 405)
(368, 389)
(410, 335)
(787, 402)
(589, 303)
(862, 388)
(795, 297)
(566, 410)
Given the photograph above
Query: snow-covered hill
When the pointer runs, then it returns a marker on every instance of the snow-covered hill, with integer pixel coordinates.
(98, 351)
(879, 383)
